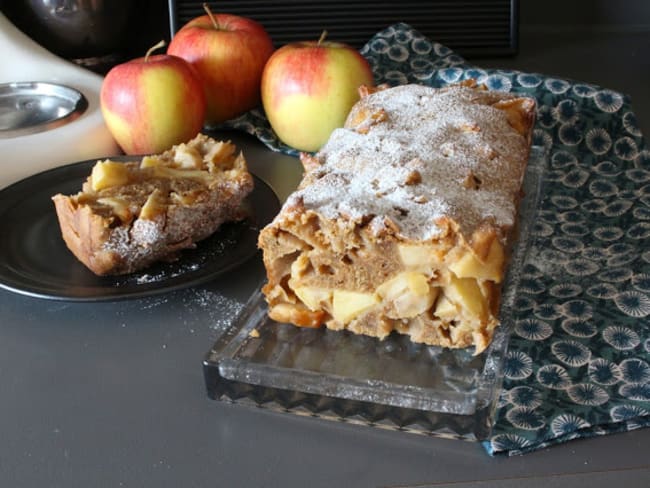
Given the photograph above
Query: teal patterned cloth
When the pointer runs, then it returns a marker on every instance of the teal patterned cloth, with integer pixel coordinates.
(578, 363)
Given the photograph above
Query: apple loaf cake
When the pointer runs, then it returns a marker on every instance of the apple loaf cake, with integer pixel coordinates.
(131, 214)
(403, 220)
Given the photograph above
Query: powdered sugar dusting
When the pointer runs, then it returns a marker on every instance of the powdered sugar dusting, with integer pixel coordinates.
(415, 161)
(221, 310)
(209, 258)
(137, 241)
(197, 310)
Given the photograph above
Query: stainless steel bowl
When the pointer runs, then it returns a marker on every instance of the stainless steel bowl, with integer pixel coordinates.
(31, 107)
(76, 28)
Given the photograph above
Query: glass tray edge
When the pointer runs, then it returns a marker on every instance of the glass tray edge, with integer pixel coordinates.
(225, 389)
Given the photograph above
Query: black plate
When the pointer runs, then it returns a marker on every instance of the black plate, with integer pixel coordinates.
(35, 261)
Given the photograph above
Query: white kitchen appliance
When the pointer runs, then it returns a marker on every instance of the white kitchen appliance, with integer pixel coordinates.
(49, 109)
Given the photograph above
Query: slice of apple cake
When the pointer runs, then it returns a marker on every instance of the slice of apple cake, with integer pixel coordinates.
(131, 214)
(404, 219)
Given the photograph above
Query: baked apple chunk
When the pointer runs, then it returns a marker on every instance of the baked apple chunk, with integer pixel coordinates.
(403, 222)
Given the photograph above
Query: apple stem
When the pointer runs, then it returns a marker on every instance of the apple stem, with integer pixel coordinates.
(322, 37)
(216, 25)
(152, 49)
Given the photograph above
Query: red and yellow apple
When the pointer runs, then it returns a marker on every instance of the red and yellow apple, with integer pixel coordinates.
(308, 89)
(229, 52)
(152, 103)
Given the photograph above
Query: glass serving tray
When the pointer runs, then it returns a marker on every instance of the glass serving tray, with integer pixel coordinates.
(393, 383)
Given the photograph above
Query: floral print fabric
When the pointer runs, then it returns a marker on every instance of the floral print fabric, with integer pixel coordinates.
(578, 362)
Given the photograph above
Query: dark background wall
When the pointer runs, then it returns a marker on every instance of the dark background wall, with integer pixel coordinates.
(586, 15)
(149, 20)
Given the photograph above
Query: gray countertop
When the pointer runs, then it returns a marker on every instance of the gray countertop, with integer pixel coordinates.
(112, 394)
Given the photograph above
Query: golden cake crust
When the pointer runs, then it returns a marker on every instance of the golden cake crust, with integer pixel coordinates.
(404, 219)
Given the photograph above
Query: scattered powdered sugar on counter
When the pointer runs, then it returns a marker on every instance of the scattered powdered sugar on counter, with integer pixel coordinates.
(221, 311)
(193, 310)
(154, 302)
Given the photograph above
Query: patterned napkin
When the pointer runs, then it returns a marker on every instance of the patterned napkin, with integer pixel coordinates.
(579, 356)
